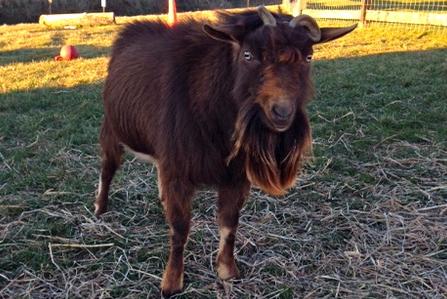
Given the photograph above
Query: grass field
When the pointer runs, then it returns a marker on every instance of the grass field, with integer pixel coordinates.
(368, 218)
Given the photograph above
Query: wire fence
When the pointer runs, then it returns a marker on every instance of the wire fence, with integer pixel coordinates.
(410, 13)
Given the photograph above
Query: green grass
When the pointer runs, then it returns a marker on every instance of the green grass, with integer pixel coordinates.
(367, 218)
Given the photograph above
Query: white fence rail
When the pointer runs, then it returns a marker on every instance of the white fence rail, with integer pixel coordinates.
(421, 12)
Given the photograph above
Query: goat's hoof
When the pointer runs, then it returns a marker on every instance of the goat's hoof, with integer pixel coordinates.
(99, 210)
(167, 292)
(171, 286)
(227, 271)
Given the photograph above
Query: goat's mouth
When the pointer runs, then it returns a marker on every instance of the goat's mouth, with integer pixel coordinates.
(281, 125)
(275, 124)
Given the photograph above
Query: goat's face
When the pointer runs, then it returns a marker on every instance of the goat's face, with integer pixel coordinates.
(273, 72)
(272, 64)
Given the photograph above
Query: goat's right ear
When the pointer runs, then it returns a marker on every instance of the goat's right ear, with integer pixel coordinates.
(328, 34)
(226, 33)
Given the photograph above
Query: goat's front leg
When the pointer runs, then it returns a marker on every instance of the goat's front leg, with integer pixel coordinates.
(230, 202)
(176, 198)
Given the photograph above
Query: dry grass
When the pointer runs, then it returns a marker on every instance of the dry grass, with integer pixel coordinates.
(368, 218)
(287, 248)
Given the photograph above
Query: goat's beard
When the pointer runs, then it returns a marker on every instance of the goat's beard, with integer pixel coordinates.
(272, 159)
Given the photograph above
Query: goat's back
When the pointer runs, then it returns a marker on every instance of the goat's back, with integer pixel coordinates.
(167, 94)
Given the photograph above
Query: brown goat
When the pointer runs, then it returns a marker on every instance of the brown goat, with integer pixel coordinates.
(218, 105)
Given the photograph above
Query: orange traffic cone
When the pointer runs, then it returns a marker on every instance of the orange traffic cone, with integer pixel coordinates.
(172, 14)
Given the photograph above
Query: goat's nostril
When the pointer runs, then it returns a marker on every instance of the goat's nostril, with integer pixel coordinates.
(282, 111)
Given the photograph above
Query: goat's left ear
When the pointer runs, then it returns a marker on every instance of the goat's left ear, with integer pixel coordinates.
(226, 33)
(328, 34)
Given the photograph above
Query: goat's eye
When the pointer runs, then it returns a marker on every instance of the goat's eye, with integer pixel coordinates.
(308, 58)
(248, 56)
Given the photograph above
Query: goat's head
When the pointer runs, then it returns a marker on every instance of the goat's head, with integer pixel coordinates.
(272, 84)
(272, 62)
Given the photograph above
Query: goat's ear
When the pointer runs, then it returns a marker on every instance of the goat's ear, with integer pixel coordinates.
(227, 33)
(328, 34)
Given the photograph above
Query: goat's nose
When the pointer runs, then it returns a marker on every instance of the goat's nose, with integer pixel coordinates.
(282, 111)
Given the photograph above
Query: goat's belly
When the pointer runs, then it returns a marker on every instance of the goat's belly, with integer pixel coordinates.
(147, 158)
(139, 155)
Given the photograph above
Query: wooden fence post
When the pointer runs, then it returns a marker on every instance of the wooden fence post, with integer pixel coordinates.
(294, 7)
(298, 7)
(286, 5)
(363, 8)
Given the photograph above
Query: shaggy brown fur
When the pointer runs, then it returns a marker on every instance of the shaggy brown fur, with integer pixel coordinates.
(218, 105)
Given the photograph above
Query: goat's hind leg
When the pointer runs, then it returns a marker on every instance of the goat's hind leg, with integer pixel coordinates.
(111, 154)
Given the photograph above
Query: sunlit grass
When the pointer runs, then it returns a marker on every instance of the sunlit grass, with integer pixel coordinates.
(27, 51)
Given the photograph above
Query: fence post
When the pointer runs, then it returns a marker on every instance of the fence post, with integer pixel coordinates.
(294, 7)
(286, 5)
(50, 10)
(363, 8)
(298, 7)
(103, 5)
